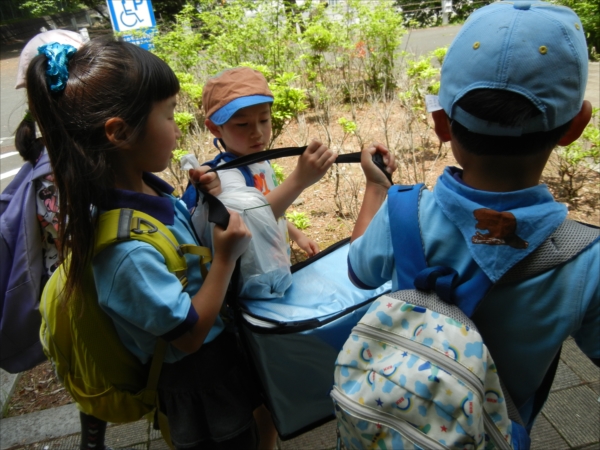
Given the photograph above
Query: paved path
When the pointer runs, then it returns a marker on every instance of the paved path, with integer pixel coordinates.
(569, 420)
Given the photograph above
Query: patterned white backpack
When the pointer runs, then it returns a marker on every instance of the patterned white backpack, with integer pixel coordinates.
(415, 372)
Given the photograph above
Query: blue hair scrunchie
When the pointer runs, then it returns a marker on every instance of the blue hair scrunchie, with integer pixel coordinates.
(58, 58)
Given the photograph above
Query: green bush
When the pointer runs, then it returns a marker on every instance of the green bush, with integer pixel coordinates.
(177, 155)
(589, 13)
(279, 174)
(575, 159)
(247, 31)
(299, 219)
(348, 126)
(288, 102)
(178, 43)
(428, 13)
(423, 78)
(184, 120)
(380, 30)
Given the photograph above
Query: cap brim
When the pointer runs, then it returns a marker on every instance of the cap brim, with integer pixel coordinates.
(223, 114)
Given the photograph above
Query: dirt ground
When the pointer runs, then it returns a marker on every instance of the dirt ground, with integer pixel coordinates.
(330, 221)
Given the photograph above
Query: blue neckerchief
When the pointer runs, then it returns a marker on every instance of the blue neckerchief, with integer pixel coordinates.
(500, 228)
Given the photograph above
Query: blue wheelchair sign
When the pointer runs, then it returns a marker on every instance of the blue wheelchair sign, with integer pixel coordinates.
(129, 15)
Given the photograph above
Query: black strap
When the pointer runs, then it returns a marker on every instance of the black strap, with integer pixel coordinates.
(543, 391)
(296, 151)
(260, 156)
(217, 213)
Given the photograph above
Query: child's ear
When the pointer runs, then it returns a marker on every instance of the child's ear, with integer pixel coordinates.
(578, 124)
(214, 129)
(117, 132)
(441, 125)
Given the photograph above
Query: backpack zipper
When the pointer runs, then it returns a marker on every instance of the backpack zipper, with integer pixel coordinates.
(401, 426)
(466, 375)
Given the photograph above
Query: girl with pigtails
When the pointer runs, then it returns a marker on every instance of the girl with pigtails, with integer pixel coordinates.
(30, 146)
(106, 115)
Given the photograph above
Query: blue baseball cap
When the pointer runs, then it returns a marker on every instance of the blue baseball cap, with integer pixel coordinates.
(232, 90)
(532, 48)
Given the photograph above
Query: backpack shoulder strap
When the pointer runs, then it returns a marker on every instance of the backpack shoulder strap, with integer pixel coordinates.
(42, 167)
(227, 157)
(403, 210)
(125, 224)
(568, 240)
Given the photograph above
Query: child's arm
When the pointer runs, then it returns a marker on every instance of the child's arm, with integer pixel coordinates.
(376, 188)
(312, 165)
(308, 245)
(229, 245)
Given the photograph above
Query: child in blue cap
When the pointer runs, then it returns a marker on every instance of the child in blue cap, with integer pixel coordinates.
(512, 88)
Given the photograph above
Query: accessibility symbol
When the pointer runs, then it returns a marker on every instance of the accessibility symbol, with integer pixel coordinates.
(128, 15)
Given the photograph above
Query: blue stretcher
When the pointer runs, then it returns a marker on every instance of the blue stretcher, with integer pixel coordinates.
(294, 341)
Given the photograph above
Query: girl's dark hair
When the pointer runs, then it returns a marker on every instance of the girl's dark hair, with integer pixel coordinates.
(107, 78)
(504, 108)
(28, 146)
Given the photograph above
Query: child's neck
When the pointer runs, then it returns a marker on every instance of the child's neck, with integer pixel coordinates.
(133, 182)
(503, 173)
(140, 187)
(502, 183)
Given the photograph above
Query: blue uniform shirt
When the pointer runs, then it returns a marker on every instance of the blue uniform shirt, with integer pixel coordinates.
(134, 286)
(524, 324)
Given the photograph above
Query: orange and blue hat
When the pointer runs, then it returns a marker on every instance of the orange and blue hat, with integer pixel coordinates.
(234, 89)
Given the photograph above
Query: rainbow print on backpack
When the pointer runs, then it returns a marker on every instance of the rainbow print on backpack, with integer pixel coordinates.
(411, 377)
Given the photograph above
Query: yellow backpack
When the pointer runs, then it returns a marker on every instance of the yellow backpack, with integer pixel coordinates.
(104, 378)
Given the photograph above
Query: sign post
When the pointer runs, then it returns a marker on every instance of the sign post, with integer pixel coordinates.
(136, 16)
(446, 10)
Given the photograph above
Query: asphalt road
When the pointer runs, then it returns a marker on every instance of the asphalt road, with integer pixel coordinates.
(12, 109)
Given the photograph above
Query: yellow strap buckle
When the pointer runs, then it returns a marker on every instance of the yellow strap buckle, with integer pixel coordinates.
(203, 252)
